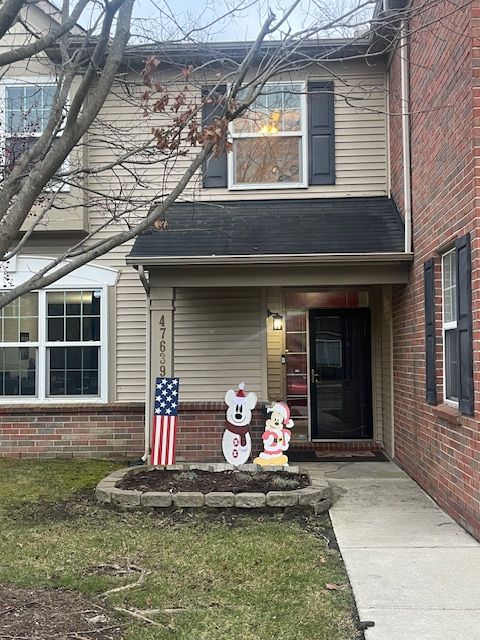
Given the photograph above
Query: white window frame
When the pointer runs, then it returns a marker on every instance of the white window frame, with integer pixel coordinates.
(42, 345)
(27, 81)
(446, 326)
(302, 134)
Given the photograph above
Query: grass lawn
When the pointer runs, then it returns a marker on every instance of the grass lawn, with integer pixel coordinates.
(219, 577)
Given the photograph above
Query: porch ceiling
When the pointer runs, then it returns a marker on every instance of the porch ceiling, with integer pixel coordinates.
(271, 231)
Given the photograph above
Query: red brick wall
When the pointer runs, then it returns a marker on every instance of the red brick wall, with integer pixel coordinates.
(200, 430)
(438, 447)
(93, 431)
(117, 431)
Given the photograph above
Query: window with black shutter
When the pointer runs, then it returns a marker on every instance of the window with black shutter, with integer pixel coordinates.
(215, 168)
(321, 133)
(457, 326)
(284, 139)
(430, 342)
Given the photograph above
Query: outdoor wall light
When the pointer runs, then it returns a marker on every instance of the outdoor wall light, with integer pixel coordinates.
(277, 320)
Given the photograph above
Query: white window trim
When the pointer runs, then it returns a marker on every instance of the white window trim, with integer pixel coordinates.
(42, 345)
(27, 81)
(446, 326)
(302, 134)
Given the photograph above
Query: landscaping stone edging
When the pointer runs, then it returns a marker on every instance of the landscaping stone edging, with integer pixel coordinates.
(316, 497)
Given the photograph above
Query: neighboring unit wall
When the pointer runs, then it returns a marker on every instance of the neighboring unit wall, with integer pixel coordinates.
(436, 445)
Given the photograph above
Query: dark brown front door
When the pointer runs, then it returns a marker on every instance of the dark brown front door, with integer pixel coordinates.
(340, 374)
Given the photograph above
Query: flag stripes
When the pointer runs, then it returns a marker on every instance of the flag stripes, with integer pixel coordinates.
(164, 421)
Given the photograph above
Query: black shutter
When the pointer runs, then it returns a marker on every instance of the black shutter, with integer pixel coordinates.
(215, 168)
(430, 340)
(321, 133)
(464, 325)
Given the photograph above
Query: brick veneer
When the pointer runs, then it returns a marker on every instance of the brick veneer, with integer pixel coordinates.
(90, 430)
(439, 448)
(117, 431)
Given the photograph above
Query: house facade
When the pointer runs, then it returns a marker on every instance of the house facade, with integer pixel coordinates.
(286, 265)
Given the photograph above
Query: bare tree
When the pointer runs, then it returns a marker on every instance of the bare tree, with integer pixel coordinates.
(100, 67)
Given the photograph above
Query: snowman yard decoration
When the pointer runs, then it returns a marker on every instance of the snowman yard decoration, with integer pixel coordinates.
(236, 441)
(276, 437)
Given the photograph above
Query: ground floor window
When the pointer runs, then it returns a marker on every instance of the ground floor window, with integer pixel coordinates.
(449, 325)
(52, 345)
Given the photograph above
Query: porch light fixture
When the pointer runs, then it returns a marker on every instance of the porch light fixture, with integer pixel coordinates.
(277, 320)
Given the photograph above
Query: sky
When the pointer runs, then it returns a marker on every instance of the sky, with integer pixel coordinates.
(164, 19)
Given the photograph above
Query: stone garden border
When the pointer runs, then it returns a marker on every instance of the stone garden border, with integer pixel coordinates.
(316, 497)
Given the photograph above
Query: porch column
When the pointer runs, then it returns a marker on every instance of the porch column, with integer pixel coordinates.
(161, 333)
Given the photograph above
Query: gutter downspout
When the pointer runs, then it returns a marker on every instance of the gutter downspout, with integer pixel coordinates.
(405, 97)
(146, 286)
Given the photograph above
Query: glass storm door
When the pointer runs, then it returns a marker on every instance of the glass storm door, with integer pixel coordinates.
(340, 374)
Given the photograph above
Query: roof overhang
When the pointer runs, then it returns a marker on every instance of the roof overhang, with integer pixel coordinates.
(274, 259)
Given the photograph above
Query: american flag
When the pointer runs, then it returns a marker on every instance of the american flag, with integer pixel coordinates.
(164, 421)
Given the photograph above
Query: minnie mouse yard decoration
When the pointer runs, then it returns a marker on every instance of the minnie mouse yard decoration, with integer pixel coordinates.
(236, 441)
(276, 437)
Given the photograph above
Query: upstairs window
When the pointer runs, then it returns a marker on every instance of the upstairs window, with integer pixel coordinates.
(269, 140)
(27, 109)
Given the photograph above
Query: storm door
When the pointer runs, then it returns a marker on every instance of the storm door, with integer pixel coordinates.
(340, 374)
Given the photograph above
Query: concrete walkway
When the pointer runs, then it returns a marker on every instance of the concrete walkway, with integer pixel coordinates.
(414, 571)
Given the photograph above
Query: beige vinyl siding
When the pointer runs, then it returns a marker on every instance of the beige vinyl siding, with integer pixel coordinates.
(218, 341)
(275, 347)
(360, 168)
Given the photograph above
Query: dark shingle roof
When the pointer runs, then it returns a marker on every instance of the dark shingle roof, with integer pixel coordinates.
(266, 227)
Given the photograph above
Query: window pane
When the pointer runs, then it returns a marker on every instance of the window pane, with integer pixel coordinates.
(296, 321)
(73, 329)
(29, 305)
(449, 287)
(10, 330)
(73, 300)
(28, 329)
(18, 371)
(296, 342)
(57, 358)
(267, 160)
(73, 371)
(90, 357)
(74, 383)
(277, 109)
(91, 303)
(12, 309)
(451, 365)
(74, 357)
(91, 329)
(56, 303)
(56, 329)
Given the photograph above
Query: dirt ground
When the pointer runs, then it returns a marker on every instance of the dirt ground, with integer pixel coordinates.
(205, 481)
(46, 614)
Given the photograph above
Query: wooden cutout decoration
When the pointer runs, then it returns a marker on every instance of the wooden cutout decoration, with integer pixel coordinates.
(165, 414)
(236, 441)
(277, 435)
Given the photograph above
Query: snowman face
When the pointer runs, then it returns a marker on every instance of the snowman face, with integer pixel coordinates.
(239, 412)
(275, 421)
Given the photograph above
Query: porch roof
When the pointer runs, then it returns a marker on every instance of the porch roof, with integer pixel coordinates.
(262, 229)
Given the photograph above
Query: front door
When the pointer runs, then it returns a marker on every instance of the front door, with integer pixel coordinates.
(340, 374)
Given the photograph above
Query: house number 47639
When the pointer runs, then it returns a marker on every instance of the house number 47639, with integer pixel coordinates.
(163, 346)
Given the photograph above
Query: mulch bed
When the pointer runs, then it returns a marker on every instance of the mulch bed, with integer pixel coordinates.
(206, 481)
(46, 614)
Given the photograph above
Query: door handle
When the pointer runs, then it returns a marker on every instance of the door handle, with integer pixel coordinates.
(314, 376)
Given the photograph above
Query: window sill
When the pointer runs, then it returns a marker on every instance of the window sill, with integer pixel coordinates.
(448, 413)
